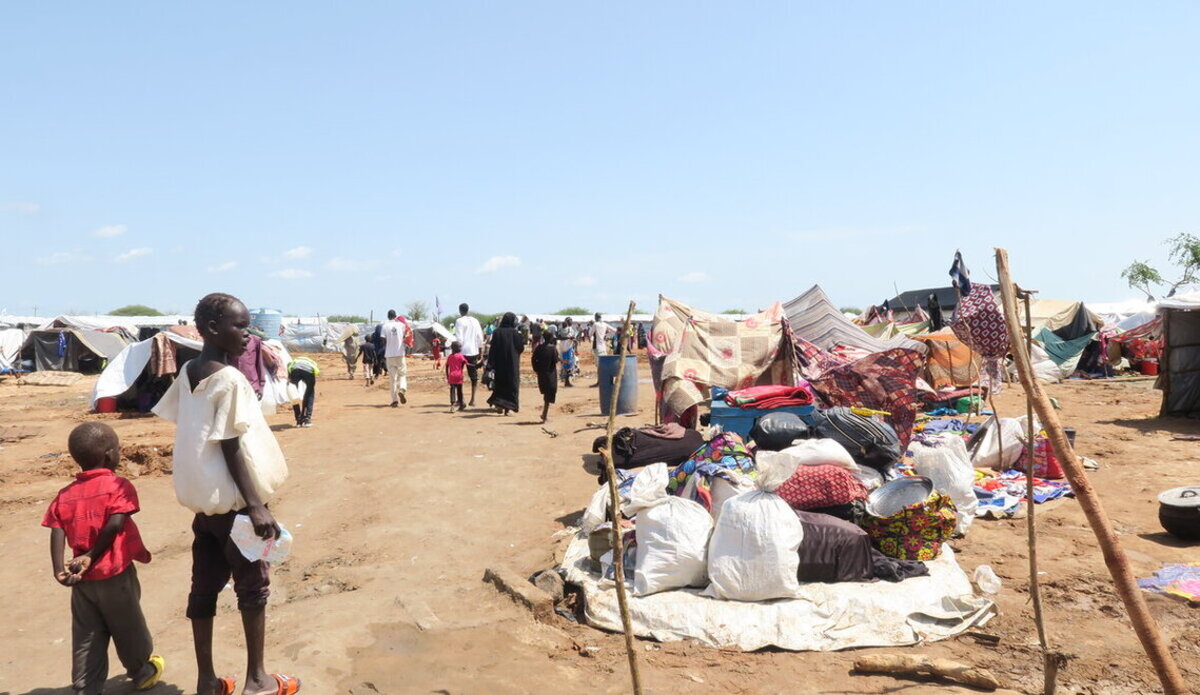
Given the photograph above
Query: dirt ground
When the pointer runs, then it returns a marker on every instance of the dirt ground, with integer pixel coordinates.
(398, 512)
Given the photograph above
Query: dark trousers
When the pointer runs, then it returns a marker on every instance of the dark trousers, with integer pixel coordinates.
(456, 394)
(310, 393)
(103, 609)
(216, 558)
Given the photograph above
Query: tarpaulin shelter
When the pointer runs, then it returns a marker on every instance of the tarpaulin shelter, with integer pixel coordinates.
(70, 350)
(11, 340)
(133, 327)
(1179, 368)
(692, 350)
(951, 363)
(423, 334)
(814, 317)
(135, 376)
(917, 301)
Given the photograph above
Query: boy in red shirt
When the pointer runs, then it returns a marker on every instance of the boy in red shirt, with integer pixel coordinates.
(455, 364)
(91, 515)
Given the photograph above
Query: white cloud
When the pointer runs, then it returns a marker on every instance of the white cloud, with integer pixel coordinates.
(297, 253)
(109, 231)
(223, 268)
(346, 265)
(21, 207)
(695, 276)
(133, 253)
(584, 281)
(62, 257)
(495, 263)
(292, 274)
(396, 253)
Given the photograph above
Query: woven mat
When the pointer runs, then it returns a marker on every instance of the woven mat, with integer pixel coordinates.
(50, 379)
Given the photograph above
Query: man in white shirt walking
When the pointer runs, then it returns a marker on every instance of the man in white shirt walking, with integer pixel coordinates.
(469, 335)
(394, 333)
(600, 336)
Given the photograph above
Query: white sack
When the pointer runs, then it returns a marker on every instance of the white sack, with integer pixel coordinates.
(948, 465)
(1000, 446)
(721, 490)
(753, 554)
(672, 535)
(596, 512)
(812, 452)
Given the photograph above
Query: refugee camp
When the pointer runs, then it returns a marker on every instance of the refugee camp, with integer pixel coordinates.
(778, 348)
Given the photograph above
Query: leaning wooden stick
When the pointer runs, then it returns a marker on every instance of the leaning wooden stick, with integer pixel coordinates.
(1114, 556)
(615, 502)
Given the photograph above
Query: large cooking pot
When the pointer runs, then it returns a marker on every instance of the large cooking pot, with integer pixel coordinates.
(1179, 512)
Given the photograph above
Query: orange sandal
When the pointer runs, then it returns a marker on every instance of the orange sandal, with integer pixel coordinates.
(228, 686)
(288, 685)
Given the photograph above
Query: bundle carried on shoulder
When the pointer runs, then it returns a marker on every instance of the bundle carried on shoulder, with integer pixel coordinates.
(672, 535)
(753, 555)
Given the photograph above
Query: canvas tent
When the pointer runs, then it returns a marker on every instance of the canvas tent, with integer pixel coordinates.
(908, 302)
(70, 350)
(11, 340)
(814, 317)
(1179, 369)
(131, 373)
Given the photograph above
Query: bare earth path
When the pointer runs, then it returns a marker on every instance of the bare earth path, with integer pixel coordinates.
(397, 512)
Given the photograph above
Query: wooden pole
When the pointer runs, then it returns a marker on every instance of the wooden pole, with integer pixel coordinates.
(615, 502)
(1114, 555)
(1050, 660)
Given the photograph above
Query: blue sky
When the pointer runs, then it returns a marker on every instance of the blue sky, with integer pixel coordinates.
(529, 156)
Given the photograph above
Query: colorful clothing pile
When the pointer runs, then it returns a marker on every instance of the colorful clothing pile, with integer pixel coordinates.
(767, 397)
(716, 459)
(1181, 580)
(883, 381)
(1001, 494)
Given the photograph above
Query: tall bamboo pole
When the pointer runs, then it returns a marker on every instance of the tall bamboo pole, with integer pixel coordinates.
(615, 502)
(1114, 555)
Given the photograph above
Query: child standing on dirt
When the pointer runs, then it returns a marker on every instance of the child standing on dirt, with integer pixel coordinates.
(545, 365)
(226, 463)
(370, 371)
(456, 364)
(92, 516)
(436, 348)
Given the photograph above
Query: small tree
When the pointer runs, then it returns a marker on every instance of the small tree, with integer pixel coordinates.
(135, 310)
(1185, 253)
(417, 310)
(733, 312)
(347, 318)
(851, 310)
(571, 311)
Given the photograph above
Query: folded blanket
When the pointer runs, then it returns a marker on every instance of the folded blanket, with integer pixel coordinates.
(767, 397)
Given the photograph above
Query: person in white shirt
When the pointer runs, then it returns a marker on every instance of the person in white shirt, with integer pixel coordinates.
(394, 334)
(600, 336)
(469, 335)
(226, 463)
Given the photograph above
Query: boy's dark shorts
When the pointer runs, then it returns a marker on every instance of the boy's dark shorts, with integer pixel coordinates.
(216, 558)
(548, 386)
(473, 368)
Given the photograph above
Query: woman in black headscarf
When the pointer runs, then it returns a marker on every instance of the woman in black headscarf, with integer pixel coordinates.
(504, 359)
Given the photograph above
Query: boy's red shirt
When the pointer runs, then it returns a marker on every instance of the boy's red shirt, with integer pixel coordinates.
(80, 510)
(454, 368)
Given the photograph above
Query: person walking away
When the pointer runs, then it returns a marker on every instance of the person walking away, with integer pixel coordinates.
(504, 359)
(92, 516)
(566, 349)
(380, 348)
(545, 366)
(394, 334)
(226, 463)
(456, 364)
(535, 333)
(304, 370)
(369, 359)
(350, 350)
(524, 329)
(469, 334)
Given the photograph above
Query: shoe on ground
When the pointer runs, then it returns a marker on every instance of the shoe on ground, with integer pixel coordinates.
(395, 404)
(403, 398)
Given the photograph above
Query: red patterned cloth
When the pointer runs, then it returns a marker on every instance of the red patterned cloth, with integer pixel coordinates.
(813, 487)
(884, 381)
(766, 397)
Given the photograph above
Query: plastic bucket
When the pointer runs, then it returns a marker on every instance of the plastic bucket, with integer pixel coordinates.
(607, 366)
(106, 405)
(1150, 366)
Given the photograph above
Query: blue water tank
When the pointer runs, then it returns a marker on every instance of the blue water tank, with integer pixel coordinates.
(269, 321)
(607, 366)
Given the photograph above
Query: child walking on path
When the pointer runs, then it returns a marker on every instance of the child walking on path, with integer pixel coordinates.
(226, 463)
(456, 364)
(545, 365)
(91, 515)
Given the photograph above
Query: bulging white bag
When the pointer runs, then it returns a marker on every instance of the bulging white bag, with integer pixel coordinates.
(948, 465)
(813, 452)
(753, 554)
(1000, 445)
(672, 535)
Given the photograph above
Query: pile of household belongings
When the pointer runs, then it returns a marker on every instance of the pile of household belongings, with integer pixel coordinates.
(791, 539)
(142, 372)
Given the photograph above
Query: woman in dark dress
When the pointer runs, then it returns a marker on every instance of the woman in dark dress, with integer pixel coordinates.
(504, 358)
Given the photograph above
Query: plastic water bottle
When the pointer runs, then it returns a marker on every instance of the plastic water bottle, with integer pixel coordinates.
(254, 548)
(986, 580)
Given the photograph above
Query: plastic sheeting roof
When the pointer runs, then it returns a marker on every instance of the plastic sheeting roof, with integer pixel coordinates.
(814, 317)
